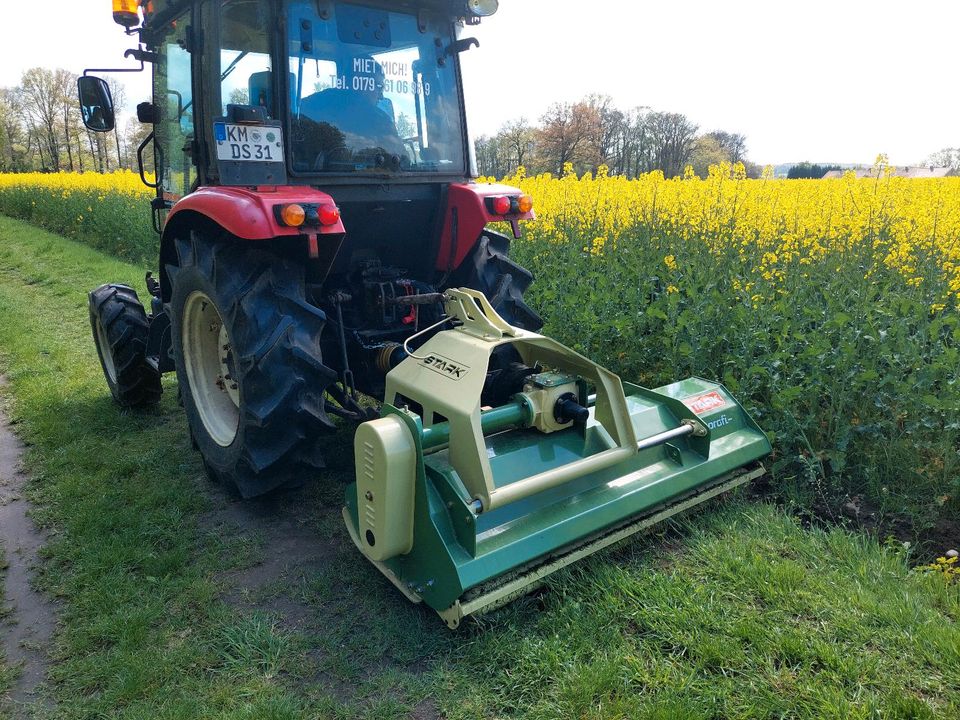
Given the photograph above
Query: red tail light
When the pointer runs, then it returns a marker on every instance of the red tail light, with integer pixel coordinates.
(329, 214)
(501, 205)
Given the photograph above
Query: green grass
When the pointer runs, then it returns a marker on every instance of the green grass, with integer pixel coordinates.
(754, 617)
(8, 676)
(737, 612)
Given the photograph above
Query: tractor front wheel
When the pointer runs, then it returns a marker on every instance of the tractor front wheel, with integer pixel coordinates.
(246, 345)
(120, 330)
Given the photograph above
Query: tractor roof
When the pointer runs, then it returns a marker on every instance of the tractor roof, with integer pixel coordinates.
(161, 10)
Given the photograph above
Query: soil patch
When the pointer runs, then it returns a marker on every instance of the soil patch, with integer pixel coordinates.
(29, 619)
(860, 514)
(287, 556)
(277, 544)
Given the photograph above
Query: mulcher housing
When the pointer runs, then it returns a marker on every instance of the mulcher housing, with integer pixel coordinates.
(470, 511)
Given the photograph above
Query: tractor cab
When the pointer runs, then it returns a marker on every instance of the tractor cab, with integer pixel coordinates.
(373, 91)
(356, 93)
(361, 101)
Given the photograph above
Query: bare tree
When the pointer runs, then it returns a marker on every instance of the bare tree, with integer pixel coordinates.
(41, 93)
(608, 137)
(519, 139)
(733, 144)
(672, 136)
(119, 94)
(14, 153)
(948, 157)
(636, 145)
(66, 87)
(491, 156)
(566, 136)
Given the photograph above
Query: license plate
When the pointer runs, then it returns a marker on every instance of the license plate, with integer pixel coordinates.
(248, 143)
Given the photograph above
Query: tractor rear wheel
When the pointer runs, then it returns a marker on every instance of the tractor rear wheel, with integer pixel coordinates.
(120, 329)
(491, 271)
(246, 345)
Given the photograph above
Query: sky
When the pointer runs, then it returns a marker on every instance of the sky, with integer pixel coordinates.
(824, 81)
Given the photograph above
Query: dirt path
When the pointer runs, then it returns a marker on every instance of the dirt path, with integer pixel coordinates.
(26, 632)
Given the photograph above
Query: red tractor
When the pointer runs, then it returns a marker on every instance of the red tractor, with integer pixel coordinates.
(314, 200)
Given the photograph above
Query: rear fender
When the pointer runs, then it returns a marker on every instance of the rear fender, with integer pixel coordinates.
(468, 203)
(249, 214)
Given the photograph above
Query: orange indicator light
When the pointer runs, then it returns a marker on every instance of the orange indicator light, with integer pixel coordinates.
(293, 215)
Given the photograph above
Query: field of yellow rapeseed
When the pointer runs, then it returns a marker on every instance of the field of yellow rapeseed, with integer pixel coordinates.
(779, 228)
(64, 184)
(828, 306)
(110, 212)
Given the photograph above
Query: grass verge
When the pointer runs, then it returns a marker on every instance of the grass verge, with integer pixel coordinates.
(180, 602)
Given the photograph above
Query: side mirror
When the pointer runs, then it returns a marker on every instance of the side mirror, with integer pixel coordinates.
(96, 103)
(148, 113)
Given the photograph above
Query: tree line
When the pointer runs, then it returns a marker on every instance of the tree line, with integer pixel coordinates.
(808, 171)
(41, 128)
(947, 157)
(593, 132)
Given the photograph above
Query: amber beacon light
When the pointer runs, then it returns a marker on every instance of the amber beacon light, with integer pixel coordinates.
(126, 12)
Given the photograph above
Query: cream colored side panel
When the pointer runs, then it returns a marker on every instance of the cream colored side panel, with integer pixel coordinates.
(386, 459)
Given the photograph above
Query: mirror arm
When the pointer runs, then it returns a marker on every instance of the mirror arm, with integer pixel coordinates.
(143, 56)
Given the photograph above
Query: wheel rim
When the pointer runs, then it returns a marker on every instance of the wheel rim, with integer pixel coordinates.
(106, 352)
(208, 359)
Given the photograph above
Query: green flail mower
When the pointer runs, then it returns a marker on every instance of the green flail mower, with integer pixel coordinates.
(466, 508)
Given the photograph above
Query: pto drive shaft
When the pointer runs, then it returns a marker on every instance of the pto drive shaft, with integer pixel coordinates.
(519, 413)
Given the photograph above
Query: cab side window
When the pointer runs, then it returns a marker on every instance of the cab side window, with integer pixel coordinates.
(246, 71)
(173, 93)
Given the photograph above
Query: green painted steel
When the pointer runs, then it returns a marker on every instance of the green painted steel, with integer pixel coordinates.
(456, 551)
(514, 414)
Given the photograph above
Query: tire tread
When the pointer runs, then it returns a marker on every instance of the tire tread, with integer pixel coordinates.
(118, 309)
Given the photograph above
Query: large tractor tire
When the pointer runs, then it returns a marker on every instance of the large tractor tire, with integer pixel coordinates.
(120, 329)
(246, 345)
(490, 270)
